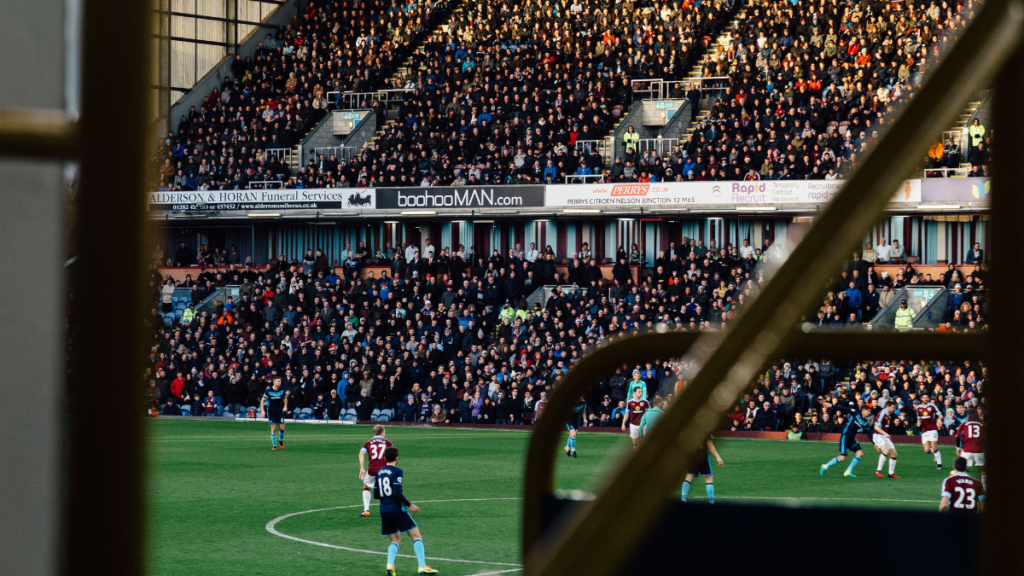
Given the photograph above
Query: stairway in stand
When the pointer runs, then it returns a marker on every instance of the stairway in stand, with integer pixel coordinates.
(958, 132)
(397, 79)
(722, 45)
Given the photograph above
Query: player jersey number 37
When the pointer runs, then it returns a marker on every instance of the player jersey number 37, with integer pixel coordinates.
(375, 450)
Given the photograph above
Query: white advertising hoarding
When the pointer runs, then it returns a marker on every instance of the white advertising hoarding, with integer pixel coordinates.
(655, 194)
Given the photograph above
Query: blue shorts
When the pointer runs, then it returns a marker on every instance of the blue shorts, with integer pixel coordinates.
(848, 444)
(395, 522)
(574, 421)
(701, 467)
(276, 417)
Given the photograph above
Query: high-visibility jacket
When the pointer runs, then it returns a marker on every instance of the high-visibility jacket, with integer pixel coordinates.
(904, 316)
(188, 315)
(977, 134)
(630, 139)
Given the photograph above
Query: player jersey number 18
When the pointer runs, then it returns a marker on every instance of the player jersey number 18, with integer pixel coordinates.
(384, 485)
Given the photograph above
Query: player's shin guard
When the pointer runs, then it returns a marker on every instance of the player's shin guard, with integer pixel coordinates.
(280, 436)
(881, 462)
(392, 552)
(421, 555)
(853, 464)
(938, 457)
(273, 439)
(832, 462)
(892, 466)
(711, 492)
(366, 499)
(686, 490)
(572, 443)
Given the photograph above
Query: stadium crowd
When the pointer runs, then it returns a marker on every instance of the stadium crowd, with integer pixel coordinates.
(449, 337)
(272, 99)
(811, 85)
(505, 91)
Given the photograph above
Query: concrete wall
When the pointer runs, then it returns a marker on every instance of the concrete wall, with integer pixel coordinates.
(323, 135)
(680, 121)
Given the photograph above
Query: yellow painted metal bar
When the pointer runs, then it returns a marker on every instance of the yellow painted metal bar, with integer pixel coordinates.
(999, 539)
(598, 539)
(37, 133)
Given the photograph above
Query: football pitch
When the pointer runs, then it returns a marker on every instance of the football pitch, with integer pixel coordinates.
(221, 502)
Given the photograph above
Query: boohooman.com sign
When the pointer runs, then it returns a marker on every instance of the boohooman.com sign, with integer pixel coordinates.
(474, 197)
(641, 195)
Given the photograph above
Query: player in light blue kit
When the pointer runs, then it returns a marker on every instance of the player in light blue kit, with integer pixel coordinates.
(394, 513)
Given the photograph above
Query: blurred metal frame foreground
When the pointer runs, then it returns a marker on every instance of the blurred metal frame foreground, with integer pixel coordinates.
(598, 539)
(105, 511)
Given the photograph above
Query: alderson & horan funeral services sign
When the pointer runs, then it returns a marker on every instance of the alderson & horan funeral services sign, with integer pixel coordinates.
(296, 199)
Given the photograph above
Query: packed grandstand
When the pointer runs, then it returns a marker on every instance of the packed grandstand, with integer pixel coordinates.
(436, 339)
(509, 92)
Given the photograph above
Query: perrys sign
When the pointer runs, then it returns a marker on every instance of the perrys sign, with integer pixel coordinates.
(639, 195)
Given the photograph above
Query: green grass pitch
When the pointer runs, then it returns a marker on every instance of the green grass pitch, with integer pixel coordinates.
(214, 487)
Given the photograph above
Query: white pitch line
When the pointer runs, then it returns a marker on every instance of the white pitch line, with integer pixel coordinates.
(822, 498)
(271, 528)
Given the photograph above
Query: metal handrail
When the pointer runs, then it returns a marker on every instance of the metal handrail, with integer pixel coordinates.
(569, 179)
(956, 172)
(596, 540)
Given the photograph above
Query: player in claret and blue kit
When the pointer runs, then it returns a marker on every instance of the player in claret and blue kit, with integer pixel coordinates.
(374, 449)
(394, 513)
(961, 494)
(859, 422)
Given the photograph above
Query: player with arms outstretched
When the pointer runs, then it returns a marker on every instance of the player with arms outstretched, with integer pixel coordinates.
(971, 446)
(374, 448)
(883, 441)
(272, 406)
(574, 421)
(859, 422)
(961, 494)
(394, 513)
(927, 416)
(702, 466)
(635, 409)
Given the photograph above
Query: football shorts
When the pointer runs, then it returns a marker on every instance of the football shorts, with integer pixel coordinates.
(930, 436)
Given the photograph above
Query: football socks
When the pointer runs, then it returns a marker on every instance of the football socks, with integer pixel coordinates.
(366, 500)
(711, 492)
(686, 490)
(417, 545)
(392, 552)
(856, 460)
